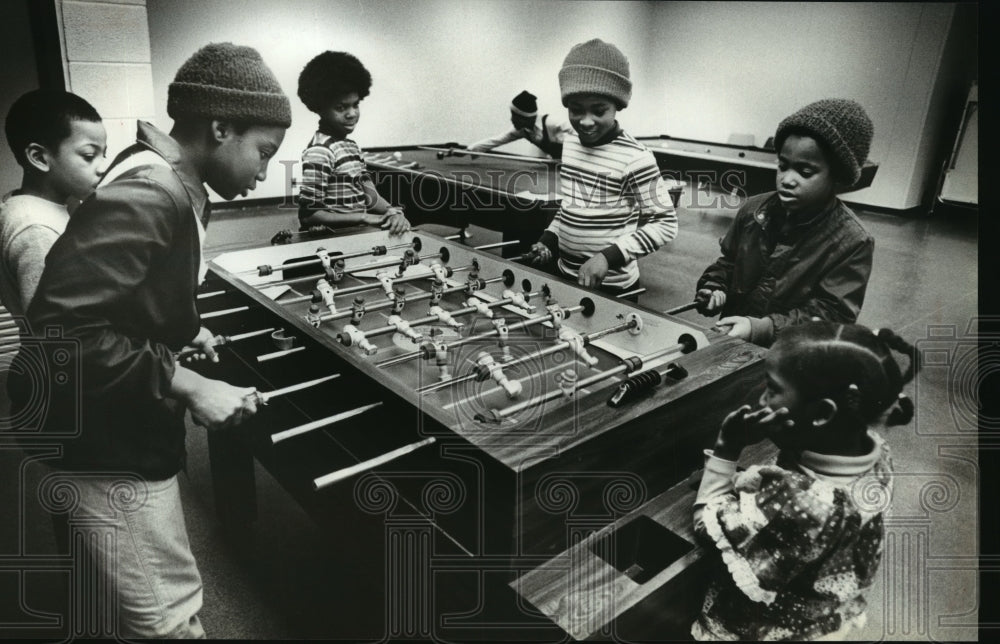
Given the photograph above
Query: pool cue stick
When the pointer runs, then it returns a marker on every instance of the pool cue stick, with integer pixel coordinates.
(339, 475)
(509, 157)
(323, 422)
(204, 296)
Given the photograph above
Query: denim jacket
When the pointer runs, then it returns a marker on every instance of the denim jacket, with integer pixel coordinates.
(778, 272)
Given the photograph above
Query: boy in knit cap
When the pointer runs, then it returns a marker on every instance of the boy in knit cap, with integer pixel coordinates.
(609, 181)
(336, 188)
(798, 253)
(59, 141)
(547, 136)
(120, 284)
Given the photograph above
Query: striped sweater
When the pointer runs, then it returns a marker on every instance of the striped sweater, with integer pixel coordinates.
(332, 174)
(606, 191)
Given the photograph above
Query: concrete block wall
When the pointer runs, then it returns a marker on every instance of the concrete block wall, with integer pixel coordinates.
(106, 60)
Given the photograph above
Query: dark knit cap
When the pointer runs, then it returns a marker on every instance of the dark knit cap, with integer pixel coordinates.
(841, 124)
(524, 104)
(596, 67)
(227, 81)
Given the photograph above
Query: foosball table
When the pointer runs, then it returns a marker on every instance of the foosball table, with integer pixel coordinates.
(482, 414)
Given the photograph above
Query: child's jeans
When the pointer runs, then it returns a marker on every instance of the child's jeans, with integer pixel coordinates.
(133, 533)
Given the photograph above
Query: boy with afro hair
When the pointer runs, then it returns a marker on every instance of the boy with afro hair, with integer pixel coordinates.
(336, 189)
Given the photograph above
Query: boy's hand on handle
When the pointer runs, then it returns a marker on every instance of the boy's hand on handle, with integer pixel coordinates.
(744, 427)
(395, 222)
(593, 271)
(710, 301)
(218, 405)
(204, 344)
(737, 327)
(542, 253)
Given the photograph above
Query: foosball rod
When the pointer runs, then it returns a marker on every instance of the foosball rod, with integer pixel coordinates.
(282, 236)
(407, 357)
(388, 302)
(420, 258)
(264, 397)
(375, 251)
(641, 289)
(395, 262)
(350, 290)
(322, 422)
(279, 354)
(367, 267)
(685, 344)
(588, 338)
(317, 276)
(371, 463)
(465, 310)
(223, 341)
(682, 308)
(220, 313)
(497, 245)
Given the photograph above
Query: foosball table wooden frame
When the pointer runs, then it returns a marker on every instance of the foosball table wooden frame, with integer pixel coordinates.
(483, 415)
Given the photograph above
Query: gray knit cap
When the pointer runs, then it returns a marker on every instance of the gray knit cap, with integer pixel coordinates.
(840, 123)
(596, 67)
(227, 81)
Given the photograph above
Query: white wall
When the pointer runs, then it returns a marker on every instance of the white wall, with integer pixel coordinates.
(442, 70)
(106, 60)
(743, 66)
(445, 70)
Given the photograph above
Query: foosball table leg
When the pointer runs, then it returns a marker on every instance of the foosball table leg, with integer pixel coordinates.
(234, 486)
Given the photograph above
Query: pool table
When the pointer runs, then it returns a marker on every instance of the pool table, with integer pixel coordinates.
(745, 169)
(441, 184)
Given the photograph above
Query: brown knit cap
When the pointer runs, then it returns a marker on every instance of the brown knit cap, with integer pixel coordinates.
(596, 67)
(227, 81)
(840, 123)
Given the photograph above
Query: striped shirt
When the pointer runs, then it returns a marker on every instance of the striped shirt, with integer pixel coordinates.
(332, 173)
(606, 191)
